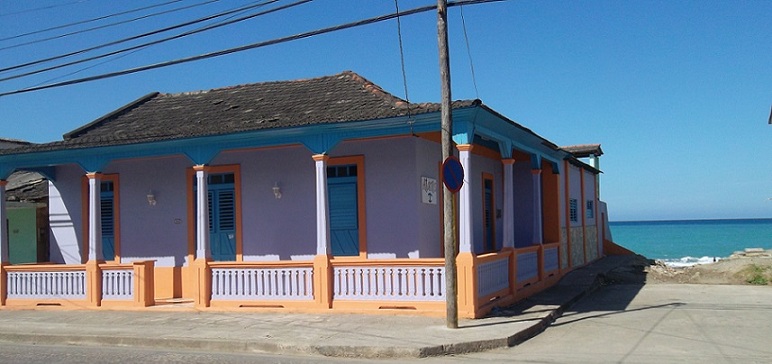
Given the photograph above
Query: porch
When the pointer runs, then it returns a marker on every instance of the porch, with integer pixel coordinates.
(346, 285)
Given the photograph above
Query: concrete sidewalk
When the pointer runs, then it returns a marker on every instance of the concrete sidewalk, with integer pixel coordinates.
(343, 335)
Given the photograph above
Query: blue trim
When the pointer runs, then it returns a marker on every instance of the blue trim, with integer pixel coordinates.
(318, 138)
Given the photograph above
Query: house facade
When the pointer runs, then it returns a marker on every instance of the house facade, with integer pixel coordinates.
(314, 195)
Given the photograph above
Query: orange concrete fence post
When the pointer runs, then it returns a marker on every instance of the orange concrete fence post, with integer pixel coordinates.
(144, 287)
(93, 283)
(203, 286)
(3, 284)
(323, 283)
(467, 284)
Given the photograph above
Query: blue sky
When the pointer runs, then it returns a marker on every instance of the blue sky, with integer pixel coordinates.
(677, 92)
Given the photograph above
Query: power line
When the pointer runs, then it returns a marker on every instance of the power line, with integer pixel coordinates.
(144, 45)
(143, 35)
(244, 48)
(36, 41)
(86, 21)
(43, 8)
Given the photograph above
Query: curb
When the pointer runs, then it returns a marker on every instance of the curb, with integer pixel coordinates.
(367, 352)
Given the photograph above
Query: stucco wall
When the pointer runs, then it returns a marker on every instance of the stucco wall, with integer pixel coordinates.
(157, 232)
(428, 159)
(393, 195)
(523, 204)
(64, 208)
(276, 229)
(589, 195)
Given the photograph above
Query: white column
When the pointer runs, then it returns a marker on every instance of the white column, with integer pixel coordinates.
(323, 244)
(3, 224)
(202, 213)
(508, 215)
(595, 163)
(94, 217)
(465, 227)
(537, 210)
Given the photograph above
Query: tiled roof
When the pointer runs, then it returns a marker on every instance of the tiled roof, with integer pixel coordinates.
(339, 98)
(584, 150)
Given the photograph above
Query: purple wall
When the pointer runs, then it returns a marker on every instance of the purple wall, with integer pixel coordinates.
(276, 229)
(399, 225)
(524, 198)
(65, 215)
(575, 192)
(156, 232)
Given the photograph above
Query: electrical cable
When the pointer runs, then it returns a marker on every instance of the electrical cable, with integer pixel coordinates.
(43, 8)
(143, 35)
(80, 22)
(469, 53)
(242, 48)
(402, 62)
(144, 45)
(36, 41)
(122, 55)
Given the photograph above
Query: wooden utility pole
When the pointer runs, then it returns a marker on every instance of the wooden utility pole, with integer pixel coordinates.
(449, 228)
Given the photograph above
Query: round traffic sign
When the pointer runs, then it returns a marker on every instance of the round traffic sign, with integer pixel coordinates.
(452, 174)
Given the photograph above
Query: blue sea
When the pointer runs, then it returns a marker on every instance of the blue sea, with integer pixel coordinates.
(687, 242)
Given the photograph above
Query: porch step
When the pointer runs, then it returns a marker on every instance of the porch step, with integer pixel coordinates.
(175, 302)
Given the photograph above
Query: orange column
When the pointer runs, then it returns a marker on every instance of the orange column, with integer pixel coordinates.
(144, 289)
(3, 244)
(568, 214)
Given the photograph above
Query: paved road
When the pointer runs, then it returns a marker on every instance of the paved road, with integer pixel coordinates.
(618, 324)
(655, 323)
(61, 354)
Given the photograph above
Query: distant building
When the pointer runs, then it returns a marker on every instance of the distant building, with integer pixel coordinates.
(309, 194)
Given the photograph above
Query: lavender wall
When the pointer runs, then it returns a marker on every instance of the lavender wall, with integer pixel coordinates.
(589, 195)
(64, 209)
(524, 197)
(575, 192)
(276, 229)
(428, 159)
(392, 191)
(157, 232)
(473, 178)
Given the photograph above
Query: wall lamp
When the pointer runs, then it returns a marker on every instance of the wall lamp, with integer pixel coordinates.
(150, 198)
(276, 190)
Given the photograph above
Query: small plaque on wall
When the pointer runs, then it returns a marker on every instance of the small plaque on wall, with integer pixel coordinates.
(429, 193)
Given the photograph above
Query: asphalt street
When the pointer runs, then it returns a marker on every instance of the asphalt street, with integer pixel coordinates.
(654, 323)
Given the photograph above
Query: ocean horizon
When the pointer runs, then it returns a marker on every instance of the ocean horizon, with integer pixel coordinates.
(689, 242)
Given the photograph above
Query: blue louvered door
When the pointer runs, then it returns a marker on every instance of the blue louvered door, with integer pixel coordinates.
(344, 212)
(222, 216)
(107, 207)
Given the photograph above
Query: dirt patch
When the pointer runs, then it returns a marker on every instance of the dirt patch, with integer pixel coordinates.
(752, 266)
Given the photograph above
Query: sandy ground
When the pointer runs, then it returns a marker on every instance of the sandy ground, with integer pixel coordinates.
(752, 266)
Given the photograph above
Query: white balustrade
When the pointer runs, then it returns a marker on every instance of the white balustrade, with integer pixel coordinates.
(118, 284)
(550, 259)
(389, 283)
(47, 285)
(262, 283)
(527, 266)
(493, 276)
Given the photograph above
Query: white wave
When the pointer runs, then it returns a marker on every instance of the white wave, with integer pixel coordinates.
(689, 261)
